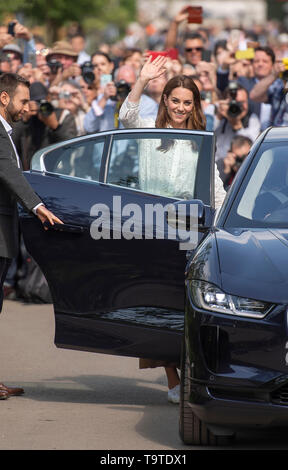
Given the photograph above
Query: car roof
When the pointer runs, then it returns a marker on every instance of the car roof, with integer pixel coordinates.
(276, 134)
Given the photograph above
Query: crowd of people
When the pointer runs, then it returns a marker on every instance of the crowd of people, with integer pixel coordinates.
(238, 83)
(239, 73)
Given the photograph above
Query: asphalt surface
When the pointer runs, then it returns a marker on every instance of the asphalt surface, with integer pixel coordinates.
(83, 401)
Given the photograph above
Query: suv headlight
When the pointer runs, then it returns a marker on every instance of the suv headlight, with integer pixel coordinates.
(210, 297)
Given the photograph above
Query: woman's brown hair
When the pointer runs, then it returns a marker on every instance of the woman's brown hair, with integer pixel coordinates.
(197, 120)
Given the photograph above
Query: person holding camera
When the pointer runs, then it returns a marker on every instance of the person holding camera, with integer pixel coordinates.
(104, 112)
(240, 147)
(234, 118)
(62, 60)
(43, 125)
(72, 99)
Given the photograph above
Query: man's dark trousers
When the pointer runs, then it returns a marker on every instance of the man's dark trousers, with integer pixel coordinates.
(4, 266)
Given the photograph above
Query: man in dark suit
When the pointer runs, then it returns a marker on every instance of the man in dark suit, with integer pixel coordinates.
(14, 188)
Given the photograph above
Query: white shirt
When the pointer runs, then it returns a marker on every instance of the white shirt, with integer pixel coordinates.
(171, 172)
(8, 129)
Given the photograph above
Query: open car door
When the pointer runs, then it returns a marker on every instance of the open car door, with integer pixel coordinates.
(115, 272)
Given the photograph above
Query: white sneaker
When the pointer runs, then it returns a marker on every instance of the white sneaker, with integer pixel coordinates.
(174, 394)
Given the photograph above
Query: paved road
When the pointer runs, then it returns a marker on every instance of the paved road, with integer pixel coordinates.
(79, 400)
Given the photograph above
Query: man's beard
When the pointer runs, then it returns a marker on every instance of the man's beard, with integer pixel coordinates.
(11, 114)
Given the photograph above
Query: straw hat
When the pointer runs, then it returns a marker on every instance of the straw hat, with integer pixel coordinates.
(62, 47)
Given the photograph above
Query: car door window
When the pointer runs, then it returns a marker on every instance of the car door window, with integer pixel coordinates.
(161, 164)
(81, 159)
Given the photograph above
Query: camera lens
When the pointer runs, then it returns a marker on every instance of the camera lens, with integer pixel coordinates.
(234, 109)
(54, 65)
(123, 89)
(87, 72)
(46, 108)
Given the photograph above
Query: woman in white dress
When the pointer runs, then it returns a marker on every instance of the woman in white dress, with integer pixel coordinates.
(179, 108)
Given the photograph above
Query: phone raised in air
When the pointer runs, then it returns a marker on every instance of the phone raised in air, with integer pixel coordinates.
(105, 78)
(155, 54)
(194, 14)
(206, 55)
(11, 27)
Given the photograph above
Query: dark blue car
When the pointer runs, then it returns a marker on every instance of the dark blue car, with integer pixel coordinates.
(235, 362)
(121, 277)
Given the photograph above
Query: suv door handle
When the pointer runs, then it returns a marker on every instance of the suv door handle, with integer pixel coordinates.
(65, 228)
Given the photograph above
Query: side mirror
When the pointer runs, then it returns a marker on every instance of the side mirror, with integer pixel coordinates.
(190, 215)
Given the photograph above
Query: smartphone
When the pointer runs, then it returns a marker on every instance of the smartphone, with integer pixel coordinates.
(172, 53)
(155, 54)
(195, 14)
(105, 78)
(32, 59)
(11, 27)
(206, 55)
(245, 54)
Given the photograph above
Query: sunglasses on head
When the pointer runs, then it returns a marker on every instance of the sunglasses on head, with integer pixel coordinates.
(12, 56)
(190, 49)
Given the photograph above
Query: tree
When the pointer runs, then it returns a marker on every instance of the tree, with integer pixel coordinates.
(56, 13)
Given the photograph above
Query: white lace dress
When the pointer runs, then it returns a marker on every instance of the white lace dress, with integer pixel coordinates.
(170, 173)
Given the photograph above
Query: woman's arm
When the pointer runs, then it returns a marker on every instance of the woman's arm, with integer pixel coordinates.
(129, 111)
(149, 71)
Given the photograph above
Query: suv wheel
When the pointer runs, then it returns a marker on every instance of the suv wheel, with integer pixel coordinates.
(192, 430)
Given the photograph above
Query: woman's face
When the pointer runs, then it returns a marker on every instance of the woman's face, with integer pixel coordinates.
(179, 106)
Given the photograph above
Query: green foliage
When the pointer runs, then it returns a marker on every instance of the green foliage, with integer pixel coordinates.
(57, 13)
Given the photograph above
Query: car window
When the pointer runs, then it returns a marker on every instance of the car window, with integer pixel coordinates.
(263, 196)
(81, 159)
(164, 165)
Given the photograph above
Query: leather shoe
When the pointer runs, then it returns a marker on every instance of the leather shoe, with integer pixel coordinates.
(11, 391)
(3, 395)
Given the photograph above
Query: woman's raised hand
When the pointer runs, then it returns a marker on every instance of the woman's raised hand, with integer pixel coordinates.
(153, 69)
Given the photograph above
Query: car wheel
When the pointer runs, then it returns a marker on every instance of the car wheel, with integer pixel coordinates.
(192, 430)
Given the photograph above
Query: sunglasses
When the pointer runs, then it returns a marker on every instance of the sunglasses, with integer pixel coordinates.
(190, 49)
(43, 52)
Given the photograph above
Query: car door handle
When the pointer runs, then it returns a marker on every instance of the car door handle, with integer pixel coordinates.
(65, 227)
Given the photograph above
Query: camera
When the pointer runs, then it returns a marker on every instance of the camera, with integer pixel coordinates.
(206, 96)
(238, 162)
(65, 95)
(45, 108)
(122, 90)
(54, 66)
(87, 72)
(235, 107)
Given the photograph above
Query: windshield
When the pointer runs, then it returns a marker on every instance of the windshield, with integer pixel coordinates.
(262, 200)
